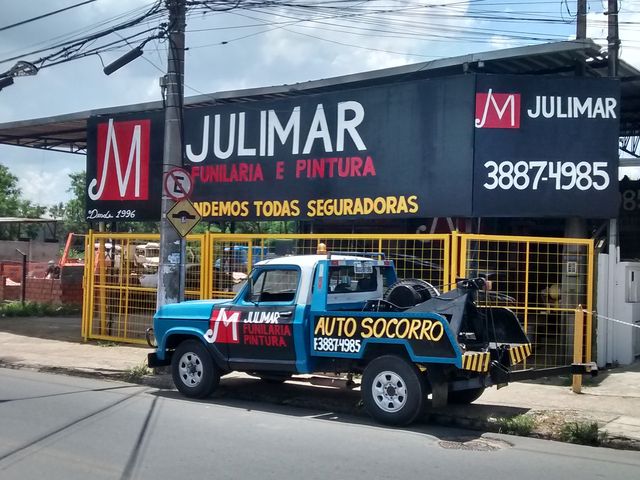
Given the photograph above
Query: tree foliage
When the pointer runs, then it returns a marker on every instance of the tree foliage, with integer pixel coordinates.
(13, 205)
(74, 209)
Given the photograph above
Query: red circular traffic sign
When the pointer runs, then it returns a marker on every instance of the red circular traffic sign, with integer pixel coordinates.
(178, 184)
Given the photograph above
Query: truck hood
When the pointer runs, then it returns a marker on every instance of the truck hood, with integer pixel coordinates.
(191, 310)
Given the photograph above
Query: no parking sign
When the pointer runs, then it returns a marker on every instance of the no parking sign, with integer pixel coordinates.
(178, 184)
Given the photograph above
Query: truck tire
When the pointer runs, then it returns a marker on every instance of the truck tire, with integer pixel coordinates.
(410, 292)
(464, 397)
(194, 373)
(393, 390)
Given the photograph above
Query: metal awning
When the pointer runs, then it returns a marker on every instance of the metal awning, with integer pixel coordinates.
(67, 133)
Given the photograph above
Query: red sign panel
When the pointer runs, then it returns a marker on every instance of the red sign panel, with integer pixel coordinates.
(497, 110)
(223, 327)
(122, 161)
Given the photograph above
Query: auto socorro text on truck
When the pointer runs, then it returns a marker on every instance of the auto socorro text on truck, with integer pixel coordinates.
(347, 313)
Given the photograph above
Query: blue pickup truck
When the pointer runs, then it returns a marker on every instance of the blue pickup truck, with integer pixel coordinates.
(345, 314)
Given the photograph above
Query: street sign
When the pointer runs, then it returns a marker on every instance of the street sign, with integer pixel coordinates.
(183, 216)
(178, 184)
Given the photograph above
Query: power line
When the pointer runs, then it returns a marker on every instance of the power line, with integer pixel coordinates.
(33, 19)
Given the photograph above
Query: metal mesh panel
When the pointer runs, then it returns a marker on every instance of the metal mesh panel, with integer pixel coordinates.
(415, 256)
(543, 281)
(124, 273)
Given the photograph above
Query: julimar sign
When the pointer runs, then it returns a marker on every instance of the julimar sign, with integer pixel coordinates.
(460, 146)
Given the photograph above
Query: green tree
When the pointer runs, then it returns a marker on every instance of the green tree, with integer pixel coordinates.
(13, 205)
(9, 193)
(57, 211)
(74, 210)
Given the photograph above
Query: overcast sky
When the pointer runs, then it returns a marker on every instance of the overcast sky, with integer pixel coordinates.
(258, 47)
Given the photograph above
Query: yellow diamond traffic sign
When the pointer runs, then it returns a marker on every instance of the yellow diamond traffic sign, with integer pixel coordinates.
(183, 216)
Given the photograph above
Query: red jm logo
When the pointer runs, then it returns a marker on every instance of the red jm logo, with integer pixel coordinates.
(497, 110)
(117, 180)
(223, 328)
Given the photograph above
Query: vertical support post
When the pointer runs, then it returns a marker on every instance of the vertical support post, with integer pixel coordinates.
(103, 279)
(87, 286)
(581, 27)
(613, 40)
(578, 336)
(454, 260)
(589, 312)
(23, 281)
(526, 292)
(170, 280)
(446, 256)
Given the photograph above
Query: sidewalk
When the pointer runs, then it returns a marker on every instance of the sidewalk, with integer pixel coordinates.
(612, 399)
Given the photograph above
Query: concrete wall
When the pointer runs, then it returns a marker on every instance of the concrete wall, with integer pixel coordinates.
(36, 251)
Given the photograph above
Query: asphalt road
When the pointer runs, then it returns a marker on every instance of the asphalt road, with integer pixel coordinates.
(60, 427)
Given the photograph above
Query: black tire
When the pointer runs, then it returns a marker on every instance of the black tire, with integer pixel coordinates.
(410, 292)
(393, 390)
(465, 397)
(194, 373)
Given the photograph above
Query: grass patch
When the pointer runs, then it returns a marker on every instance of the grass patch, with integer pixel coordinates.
(135, 374)
(519, 425)
(36, 309)
(582, 433)
(103, 343)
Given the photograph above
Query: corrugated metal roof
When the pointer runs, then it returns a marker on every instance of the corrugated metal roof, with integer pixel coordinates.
(68, 132)
(27, 220)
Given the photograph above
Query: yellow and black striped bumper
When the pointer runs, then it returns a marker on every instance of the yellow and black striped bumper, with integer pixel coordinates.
(476, 361)
(517, 353)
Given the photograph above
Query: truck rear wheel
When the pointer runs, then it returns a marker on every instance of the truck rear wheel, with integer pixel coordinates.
(194, 373)
(393, 390)
(464, 397)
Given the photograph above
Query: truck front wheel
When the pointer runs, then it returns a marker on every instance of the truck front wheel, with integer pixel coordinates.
(194, 373)
(393, 390)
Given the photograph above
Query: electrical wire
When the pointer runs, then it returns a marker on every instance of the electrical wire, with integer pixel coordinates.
(44, 15)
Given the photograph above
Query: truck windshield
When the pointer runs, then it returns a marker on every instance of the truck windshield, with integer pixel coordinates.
(345, 279)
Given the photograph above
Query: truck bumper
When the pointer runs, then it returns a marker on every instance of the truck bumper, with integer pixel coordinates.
(153, 361)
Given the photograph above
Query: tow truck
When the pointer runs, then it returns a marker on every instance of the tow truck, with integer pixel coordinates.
(347, 314)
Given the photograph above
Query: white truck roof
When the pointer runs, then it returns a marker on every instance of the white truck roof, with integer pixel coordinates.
(310, 260)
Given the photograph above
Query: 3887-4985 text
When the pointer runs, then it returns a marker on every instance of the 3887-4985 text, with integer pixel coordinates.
(344, 345)
(523, 175)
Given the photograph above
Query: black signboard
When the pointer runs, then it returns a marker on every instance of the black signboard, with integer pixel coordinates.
(392, 151)
(124, 167)
(629, 219)
(460, 146)
(546, 147)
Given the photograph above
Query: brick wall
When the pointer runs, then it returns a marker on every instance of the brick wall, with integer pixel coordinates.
(65, 290)
(43, 290)
(13, 270)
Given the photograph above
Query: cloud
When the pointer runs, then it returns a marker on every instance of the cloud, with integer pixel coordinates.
(43, 177)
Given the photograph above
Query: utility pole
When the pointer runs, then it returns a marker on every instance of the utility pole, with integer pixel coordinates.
(581, 28)
(613, 43)
(613, 40)
(171, 267)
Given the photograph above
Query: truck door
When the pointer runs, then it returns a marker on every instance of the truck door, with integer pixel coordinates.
(266, 313)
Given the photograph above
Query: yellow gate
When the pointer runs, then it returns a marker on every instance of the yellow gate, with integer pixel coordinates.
(121, 280)
(543, 280)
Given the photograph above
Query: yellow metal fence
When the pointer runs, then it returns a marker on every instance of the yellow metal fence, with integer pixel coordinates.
(543, 280)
